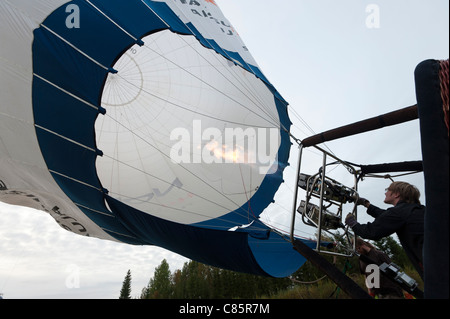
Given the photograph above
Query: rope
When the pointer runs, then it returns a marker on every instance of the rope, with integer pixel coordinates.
(308, 282)
(444, 79)
(338, 289)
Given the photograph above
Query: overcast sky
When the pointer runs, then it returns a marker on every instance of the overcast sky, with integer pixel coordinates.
(335, 62)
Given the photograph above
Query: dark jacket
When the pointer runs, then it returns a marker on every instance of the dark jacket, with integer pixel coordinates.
(407, 220)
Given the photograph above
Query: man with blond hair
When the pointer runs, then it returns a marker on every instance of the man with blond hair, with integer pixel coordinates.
(406, 219)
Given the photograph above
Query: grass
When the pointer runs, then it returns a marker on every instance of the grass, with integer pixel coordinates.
(324, 289)
(327, 289)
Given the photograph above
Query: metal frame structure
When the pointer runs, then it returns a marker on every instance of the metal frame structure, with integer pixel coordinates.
(316, 187)
(320, 179)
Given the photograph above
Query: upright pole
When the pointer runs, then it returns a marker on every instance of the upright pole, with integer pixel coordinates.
(294, 205)
(322, 191)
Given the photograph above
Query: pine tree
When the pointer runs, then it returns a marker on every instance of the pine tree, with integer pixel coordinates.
(200, 281)
(160, 286)
(125, 292)
(177, 282)
(395, 251)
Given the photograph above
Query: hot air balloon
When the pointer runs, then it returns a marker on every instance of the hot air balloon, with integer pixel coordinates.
(145, 122)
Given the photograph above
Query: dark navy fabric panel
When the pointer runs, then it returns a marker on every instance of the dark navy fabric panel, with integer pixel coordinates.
(284, 152)
(63, 66)
(208, 43)
(276, 256)
(123, 238)
(97, 36)
(223, 249)
(84, 196)
(56, 108)
(255, 250)
(133, 16)
(168, 16)
(68, 158)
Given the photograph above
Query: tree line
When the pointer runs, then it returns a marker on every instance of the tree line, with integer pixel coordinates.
(200, 281)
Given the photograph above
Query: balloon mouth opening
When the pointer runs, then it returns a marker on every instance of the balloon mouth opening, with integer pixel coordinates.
(169, 110)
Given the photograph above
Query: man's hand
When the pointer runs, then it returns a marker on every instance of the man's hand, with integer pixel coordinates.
(363, 201)
(350, 220)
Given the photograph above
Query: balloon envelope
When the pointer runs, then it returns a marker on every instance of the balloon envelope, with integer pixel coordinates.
(143, 122)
